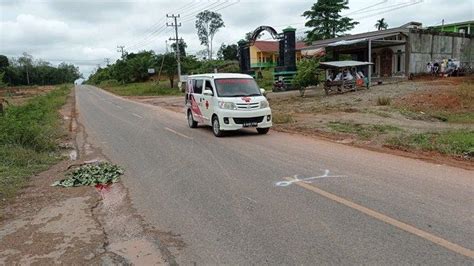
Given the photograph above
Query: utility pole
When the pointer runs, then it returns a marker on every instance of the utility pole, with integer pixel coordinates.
(107, 61)
(176, 25)
(120, 49)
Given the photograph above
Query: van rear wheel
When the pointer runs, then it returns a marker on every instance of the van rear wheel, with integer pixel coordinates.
(216, 127)
(263, 130)
(191, 122)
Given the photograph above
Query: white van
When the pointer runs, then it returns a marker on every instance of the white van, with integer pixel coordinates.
(227, 102)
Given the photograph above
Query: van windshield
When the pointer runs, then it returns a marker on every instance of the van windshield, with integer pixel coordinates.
(236, 87)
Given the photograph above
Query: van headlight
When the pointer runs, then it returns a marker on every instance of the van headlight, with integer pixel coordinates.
(264, 104)
(227, 105)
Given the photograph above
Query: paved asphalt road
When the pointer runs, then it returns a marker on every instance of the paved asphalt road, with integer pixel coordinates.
(221, 195)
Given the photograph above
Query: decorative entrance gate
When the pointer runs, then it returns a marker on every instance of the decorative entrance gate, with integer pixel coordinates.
(286, 68)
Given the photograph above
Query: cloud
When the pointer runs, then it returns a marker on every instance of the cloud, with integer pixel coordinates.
(35, 30)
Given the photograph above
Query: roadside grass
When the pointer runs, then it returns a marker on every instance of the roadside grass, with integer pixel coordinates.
(361, 130)
(444, 116)
(282, 118)
(142, 89)
(29, 136)
(456, 106)
(456, 142)
(382, 100)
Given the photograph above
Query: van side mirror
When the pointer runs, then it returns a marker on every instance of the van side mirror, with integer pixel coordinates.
(263, 92)
(207, 93)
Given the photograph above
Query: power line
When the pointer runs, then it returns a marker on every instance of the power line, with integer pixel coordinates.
(191, 16)
(153, 29)
(150, 38)
(199, 9)
(146, 43)
(365, 8)
(390, 10)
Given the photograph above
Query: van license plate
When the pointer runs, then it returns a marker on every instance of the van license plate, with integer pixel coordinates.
(252, 124)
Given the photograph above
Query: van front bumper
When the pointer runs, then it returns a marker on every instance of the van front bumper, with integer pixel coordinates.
(234, 120)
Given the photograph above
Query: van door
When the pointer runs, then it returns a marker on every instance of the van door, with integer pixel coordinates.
(196, 100)
(207, 107)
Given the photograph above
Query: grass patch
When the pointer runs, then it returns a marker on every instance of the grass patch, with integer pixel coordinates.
(383, 101)
(280, 118)
(457, 142)
(361, 130)
(463, 118)
(28, 139)
(143, 89)
(466, 92)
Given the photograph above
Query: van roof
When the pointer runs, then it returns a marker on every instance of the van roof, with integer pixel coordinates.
(220, 75)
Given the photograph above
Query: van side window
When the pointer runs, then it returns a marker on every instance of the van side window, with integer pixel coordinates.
(198, 86)
(208, 86)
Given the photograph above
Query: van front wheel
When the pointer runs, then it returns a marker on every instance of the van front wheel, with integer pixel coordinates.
(263, 130)
(216, 127)
(191, 122)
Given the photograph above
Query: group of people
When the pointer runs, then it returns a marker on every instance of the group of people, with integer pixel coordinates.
(346, 74)
(448, 67)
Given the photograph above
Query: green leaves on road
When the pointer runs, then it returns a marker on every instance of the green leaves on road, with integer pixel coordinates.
(101, 173)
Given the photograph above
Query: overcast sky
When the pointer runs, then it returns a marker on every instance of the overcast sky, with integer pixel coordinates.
(85, 32)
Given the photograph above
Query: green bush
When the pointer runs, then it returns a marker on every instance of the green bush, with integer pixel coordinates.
(143, 89)
(109, 83)
(307, 74)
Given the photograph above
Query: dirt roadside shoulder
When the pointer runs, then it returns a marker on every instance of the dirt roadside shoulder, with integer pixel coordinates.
(81, 225)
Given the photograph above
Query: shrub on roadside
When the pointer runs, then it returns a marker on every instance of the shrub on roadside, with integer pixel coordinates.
(109, 83)
(280, 118)
(307, 75)
(382, 101)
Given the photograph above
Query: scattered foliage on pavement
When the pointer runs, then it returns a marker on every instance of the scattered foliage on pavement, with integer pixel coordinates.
(100, 173)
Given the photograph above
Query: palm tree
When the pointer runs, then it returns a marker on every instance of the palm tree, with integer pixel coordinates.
(381, 24)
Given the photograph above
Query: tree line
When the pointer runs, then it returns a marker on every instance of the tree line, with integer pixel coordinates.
(133, 67)
(25, 70)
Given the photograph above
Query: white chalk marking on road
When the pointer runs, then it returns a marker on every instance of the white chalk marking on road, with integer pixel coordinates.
(118, 106)
(389, 220)
(252, 200)
(296, 179)
(139, 116)
(177, 133)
